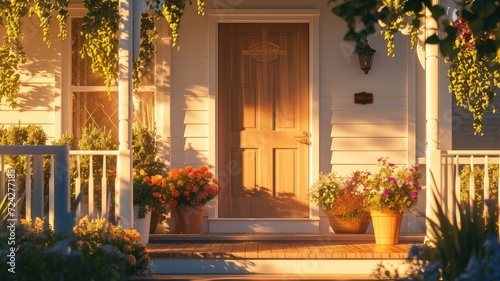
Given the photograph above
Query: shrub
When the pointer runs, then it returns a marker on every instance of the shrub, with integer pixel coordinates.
(25, 135)
(98, 251)
(478, 183)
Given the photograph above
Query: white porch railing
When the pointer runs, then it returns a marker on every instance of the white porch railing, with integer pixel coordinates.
(60, 214)
(91, 205)
(453, 161)
(50, 191)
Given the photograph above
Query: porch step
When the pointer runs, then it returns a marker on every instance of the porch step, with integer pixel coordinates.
(285, 256)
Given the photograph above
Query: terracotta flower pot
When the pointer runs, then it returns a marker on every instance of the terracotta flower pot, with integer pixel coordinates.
(386, 226)
(341, 225)
(189, 219)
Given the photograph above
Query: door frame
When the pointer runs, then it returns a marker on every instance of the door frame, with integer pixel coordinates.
(310, 16)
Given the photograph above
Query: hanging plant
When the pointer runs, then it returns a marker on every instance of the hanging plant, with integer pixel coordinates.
(473, 81)
(100, 32)
(394, 18)
(173, 10)
(147, 46)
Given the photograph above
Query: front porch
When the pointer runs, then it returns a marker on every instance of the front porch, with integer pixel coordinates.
(278, 256)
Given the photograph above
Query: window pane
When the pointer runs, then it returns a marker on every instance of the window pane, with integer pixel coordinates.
(81, 71)
(100, 110)
(95, 108)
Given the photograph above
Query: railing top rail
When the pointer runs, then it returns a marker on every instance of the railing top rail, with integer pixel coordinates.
(30, 149)
(471, 152)
(93, 152)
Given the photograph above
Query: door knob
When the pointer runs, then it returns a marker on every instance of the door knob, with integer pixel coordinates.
(303, 138)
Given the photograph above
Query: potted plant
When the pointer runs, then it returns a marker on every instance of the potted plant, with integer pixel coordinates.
(342, 202)
(189, 190)
(150, 192)
(389, 193)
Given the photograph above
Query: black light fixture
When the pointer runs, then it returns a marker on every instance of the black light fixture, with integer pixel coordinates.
(365, 56)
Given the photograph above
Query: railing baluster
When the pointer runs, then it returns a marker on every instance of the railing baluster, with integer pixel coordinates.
(27, 190)
(78, 184)
(104, 184)
(472, 186)
(38, 186)
(91, 188)
(51, 191)
(486, 184)
(2, 177)
(457, 186)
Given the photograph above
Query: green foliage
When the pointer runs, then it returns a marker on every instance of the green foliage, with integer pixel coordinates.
(339, 196)
(474, 80)
(91, 138)
(458, 246)
(145, 151)
(478, 184)
(24, 135)
(474, 72)
(100, 30)
(395, 18)
(391, 188)
(9, 77)
(11, 50)
(98, 251)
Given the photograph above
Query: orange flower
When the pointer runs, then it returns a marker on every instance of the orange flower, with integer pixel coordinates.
(156, 194)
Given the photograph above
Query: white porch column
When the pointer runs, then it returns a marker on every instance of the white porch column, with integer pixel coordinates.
(433, 152)
(124, 191)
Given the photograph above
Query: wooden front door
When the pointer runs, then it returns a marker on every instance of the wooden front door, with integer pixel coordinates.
(263, 126)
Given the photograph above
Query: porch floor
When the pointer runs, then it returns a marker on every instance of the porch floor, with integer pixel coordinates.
(278, 246)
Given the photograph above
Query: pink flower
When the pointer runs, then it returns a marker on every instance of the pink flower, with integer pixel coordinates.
(413, 195)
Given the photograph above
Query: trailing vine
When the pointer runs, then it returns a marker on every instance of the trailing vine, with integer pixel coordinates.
(147, 46)
(100, 31)
(473, 80)
(11, 50)
(395, 18)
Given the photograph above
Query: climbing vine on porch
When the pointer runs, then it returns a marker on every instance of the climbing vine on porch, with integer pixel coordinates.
(473, 80)
(99, 28)
(11, 50)
(474, 56)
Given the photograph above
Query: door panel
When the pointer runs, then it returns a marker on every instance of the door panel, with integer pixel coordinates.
(263, 122)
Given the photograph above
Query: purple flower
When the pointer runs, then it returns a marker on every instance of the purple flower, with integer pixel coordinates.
(413, 195)
(386, 193)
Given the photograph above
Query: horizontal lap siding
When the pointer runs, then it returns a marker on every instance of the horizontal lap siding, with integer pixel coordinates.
(40, 81)
(189, 96)
(353, 136)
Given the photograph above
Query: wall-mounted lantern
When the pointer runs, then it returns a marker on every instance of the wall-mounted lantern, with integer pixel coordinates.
(365, 56)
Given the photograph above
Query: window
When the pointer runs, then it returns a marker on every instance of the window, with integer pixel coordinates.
(92, 105)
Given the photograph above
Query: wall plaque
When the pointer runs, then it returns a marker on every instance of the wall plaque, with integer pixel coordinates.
(363, 98)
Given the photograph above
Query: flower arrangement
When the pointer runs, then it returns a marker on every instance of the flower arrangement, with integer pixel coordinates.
(391, 188)
(93, 234)
(191, 187)
(149, 192)
(98, 251)
(339, 197)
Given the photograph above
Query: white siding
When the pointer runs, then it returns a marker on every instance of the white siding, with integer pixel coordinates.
(190, 102)
(40, 81)
(350, 133)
